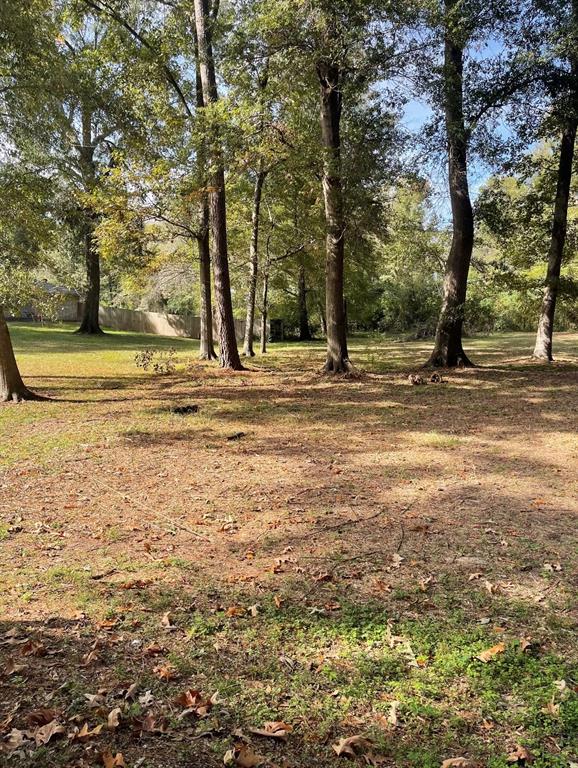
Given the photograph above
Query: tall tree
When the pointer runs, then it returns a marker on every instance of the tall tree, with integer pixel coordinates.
(565, 108)
(448, 349)
(228, 352)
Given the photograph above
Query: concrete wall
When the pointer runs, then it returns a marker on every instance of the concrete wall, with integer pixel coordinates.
(160, 324)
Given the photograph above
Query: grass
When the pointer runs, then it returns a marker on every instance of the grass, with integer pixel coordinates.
(340, 567)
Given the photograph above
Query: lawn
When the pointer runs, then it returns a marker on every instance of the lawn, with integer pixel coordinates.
(344, 558)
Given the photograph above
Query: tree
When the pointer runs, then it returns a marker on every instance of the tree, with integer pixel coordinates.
(448, 349)
(228, 352)
(26, 65)
(565, 105)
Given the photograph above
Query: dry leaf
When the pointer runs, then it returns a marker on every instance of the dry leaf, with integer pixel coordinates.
(491, 653)
(392, 716)
(235, 610)
(195, 703)
(84, 734)
(113, 720)
(165, 671)
(351, 746)
(41, 716)
(458, 762)
(520, 755)
(273, 730)
(33, 648)
(243, 756)
(44, 734)
(166, 622)
(112, 761)
(12, 668)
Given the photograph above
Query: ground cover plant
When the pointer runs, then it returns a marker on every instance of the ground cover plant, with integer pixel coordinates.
(300, 571)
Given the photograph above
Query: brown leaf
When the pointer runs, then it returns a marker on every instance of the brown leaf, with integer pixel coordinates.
(166, 622)
(520, 756)
(273, 730)
(44, 734)
(113, 720)
(491, 653)
(15, 739)
(194, 703)
(458, 762)
(233, 611)
(112, 761)
(84, 734)
(12, 668)
(33, 648)
(154, 649)
(165, 671)
(243, 756)
(351, 746)
(42, 716)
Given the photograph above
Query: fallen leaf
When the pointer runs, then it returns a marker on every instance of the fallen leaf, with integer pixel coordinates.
(351, 746)
(15, 739)
(392, 716)
(194, 703)
(112, 761)
(84, 734)
(33, 648)
(234, 611)
(396, 560)
(520, 756)
(273, 730)
(166, 622)
(458, 762)
(12, 668)
(42, 716)
(48, 731)
(491, 653)
(113, 720)
(242, 755)
(165, 671)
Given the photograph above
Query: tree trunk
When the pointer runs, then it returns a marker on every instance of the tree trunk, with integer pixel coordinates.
(90, 323)
(254, 261)
(265, 312)
(228, 352)
(330, 98)
(12, 387)
(543, 347)
(304, 329)
(323, 319)
(206, 346)
(448, 350)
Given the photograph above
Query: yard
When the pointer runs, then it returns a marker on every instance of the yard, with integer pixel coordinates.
(314, 559)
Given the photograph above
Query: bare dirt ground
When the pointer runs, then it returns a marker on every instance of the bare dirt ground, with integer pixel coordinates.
(329, 555)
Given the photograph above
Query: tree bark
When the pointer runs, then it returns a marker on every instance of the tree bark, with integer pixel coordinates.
(254, 261)
(330, 102)
(304, 329)
(12, 388)
(265, 312)
(543, 347)
(228, 352)
(90, 323)
(206, 346)
(323, 319)
(448, 349)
